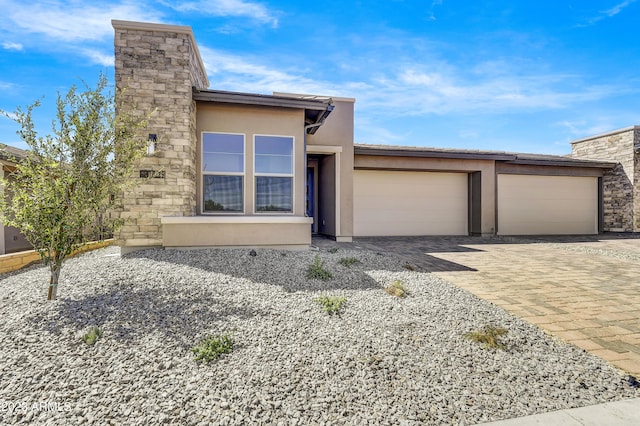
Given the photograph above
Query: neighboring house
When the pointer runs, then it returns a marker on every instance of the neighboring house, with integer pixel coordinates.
(11, 240)
(240, 169)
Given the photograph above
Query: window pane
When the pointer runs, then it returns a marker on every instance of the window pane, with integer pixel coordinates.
(222, 162)
(274, 164)
(222, 193)
(222, 153)
(221, 142)
(274, 154)
(274, 194)
(279, 145)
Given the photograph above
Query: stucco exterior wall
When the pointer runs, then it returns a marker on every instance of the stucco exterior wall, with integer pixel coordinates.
(156, 66)
(621, 208)
(250, 121)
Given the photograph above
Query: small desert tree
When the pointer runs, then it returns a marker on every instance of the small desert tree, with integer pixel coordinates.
(67, 181)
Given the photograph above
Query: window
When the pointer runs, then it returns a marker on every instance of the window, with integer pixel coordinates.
(274, 173)
(222, 172)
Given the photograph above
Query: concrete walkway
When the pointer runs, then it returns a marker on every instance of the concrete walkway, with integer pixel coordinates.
(617, 413)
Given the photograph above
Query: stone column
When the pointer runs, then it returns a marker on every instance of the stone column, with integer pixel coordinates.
(156, 66)
(618, 185)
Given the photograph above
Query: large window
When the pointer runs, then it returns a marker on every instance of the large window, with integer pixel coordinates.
(274, 173)
(222, 172)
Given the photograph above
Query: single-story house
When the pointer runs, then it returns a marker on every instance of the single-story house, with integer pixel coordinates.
(11, 240)
(239, 169)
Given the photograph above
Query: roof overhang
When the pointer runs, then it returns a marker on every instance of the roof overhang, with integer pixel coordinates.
(506, 157)
(315, 110)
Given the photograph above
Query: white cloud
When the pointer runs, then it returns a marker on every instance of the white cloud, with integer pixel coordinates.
(5, 85)
(582, 128)
(98, 57)
(232, 72)
(226, 8)
(8, 45)
(434, 3)
(70, 21)
(414, 89)
(609, 13)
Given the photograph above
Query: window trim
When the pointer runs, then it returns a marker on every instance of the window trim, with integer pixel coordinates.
(203, 173)
(292, 176)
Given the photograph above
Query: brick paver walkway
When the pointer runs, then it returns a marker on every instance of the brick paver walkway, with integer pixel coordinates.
(583, 290)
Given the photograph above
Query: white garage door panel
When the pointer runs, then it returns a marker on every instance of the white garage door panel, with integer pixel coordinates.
(530, 205)
(409, 203)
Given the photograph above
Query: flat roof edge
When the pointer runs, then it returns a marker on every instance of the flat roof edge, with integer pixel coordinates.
(179, 29)
(602, 135)
(309, 96)
(364, 150)
(258, 99)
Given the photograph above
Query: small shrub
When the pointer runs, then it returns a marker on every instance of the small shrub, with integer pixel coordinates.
(331, 304)
(408, 267)
(92, 336)
(212, 347)
(396, 289)
(348, 261)
(489, 336)
(317, 271)
(333, 250)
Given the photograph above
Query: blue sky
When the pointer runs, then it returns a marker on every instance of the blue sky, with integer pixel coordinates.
(500, 75)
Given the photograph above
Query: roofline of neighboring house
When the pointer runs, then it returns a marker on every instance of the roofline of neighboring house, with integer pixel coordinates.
(605, 134)
(179, 29)
(512, 158)
(11, 154)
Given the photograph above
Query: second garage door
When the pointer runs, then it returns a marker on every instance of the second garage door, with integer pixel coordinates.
(530, 205)
(399, 203)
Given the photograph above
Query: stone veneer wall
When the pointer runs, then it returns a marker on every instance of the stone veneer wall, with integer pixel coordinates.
(157, 65)
(621, 212)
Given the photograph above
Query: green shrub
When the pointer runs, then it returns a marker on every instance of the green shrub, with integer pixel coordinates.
(92, 336)
(489, 336)
(333, 250)
(331, 304)
(212, 347)
(348, 261)
(317, 271)
(396, 289)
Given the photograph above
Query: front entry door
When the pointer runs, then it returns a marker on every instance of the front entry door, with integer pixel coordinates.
(311, 193)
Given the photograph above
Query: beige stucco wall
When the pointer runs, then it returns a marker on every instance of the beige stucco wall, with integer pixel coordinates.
(250, 121)
(237, 231)
(337, 131)
(485, 167)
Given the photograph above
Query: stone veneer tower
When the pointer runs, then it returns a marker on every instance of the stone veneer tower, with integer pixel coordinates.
(620, 189)
(157, 66)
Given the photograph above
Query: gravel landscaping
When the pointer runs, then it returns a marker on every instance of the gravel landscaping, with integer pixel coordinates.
(380, 360)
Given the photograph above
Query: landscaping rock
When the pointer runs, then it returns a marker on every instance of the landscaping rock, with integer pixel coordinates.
(382, 360)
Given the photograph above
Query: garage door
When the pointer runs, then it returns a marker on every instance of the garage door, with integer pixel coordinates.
(538, 205)
(409, 203)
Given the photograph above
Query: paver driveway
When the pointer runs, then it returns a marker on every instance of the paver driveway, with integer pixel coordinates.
(585, 290)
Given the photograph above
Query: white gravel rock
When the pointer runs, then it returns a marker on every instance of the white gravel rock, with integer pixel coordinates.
(382, 360)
